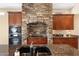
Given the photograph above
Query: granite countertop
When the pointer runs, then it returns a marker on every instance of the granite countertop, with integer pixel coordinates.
(66, 36)
(63, 50)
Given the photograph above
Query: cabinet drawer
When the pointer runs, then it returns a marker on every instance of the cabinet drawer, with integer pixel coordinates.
(59, 41)
(37, 40)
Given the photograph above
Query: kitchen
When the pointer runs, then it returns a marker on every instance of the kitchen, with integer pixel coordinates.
(51, 26)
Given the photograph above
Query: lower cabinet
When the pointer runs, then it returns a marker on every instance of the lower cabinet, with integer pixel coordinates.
(72, 41)
(37, 40)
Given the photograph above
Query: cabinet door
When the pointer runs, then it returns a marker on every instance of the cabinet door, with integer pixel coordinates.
(37, 40)
(73, 42)
(59, 41)
(63, 21)
(70, 41)
(15, 18)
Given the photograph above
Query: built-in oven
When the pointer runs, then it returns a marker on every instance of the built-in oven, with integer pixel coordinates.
(14, 35)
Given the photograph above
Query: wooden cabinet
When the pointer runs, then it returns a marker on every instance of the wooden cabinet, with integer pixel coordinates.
(59, 41)
(15, 18)
(37, 40)
(63, 21)
(72, 41)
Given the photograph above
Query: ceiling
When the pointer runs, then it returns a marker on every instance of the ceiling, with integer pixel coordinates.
(19, 5)
(10, 5)
(63, 5)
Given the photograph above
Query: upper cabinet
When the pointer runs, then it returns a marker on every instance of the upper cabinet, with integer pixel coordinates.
(63, 21)
(15, 18)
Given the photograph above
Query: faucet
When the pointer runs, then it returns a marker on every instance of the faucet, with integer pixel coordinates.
(31, 48)
(31, 45)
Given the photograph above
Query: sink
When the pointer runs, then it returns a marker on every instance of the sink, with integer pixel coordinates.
(33, 51)
(42, 51)
(24, 50)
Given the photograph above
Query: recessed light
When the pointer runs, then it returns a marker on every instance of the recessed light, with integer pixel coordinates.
(2, 13)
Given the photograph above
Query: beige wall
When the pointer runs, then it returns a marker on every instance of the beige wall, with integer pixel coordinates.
(62, 11)
(75, 9)
(76, 24)
(4, 29)
(4, 25)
